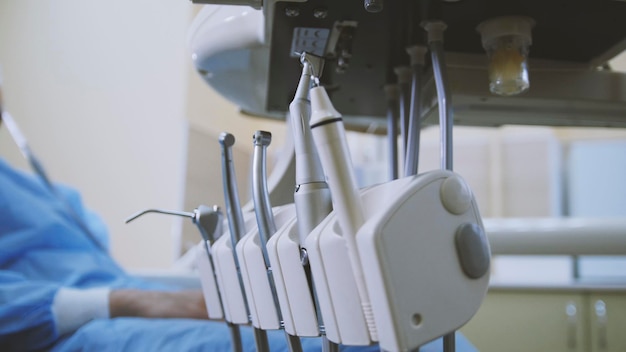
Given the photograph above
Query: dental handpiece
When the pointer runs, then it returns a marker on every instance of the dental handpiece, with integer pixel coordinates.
(260, 193)
(312, 196)
(330, 139)
(265, 217)
(236, 224)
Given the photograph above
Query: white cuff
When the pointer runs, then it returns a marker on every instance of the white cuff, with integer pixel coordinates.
(72, 308)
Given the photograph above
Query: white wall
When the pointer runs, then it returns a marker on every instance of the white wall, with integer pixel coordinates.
(99, 89)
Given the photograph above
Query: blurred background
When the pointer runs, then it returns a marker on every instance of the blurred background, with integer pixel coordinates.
(108, 98)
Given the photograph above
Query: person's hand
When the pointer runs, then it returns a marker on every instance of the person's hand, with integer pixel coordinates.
(156, 304)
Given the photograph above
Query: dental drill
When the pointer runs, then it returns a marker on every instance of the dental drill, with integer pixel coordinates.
(236, 222)
(312, 196)
(231, 193)
(330, 140)
(265, 217)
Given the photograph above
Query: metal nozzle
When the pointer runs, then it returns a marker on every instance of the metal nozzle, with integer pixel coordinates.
(160, 211)
(226, 139)
(208, 219)
(314, 64)
(262, 138)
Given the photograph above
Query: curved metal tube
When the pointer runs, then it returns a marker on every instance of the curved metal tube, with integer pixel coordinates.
(265, 217)
(260, 194)
(236, 223)
(446, 119)
(160, 211)
(236, 226)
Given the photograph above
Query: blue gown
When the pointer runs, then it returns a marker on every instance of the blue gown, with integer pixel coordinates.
(42, 249)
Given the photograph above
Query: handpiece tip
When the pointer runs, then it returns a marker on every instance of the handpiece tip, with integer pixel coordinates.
(263, 138)
(227, 139)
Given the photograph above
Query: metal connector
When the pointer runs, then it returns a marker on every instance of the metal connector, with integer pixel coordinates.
(314, 65)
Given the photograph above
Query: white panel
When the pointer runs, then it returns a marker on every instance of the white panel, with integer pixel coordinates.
(596, 174)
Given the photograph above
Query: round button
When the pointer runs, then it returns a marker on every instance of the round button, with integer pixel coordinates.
(456, 195)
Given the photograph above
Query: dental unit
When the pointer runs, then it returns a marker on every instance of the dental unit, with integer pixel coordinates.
(401, 263)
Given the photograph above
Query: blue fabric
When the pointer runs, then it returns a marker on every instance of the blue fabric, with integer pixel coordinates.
(138, 334)
(42, 248)
(40, 239)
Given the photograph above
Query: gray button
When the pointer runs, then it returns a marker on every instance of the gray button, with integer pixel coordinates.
(473, 250)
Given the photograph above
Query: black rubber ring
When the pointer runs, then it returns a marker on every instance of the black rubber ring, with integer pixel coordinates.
(326, 122)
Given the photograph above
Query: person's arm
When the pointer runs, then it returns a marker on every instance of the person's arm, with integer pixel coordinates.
(26, 318)
(34, 314)
(157, 304)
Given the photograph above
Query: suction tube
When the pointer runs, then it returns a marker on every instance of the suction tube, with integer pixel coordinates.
(392, 93)
(435, 31)
(411, 161)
